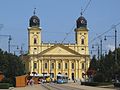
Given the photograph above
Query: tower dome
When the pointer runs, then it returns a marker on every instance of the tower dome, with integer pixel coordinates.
(81, 22)
(34, 21)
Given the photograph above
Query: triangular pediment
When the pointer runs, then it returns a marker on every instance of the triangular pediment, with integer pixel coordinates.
(59, 50)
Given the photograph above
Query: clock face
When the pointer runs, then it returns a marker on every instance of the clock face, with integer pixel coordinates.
(35, 21)
(82, 21)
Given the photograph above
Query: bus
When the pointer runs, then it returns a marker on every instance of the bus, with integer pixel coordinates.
(62, 79)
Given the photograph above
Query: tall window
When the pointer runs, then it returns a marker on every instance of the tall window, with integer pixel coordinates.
(52, 65)
(35, 41)
(35, 65)
(82, 41)
(72, 65)
(45, 65)
(59, 66)
(66, 66)
(83, 66)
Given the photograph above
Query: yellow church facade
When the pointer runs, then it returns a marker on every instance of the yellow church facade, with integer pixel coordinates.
(58, 58)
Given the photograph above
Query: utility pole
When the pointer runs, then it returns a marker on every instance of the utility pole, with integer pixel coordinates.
(101, 48)
(9, 40)
(98, 49)
(115, 60)
(115, 46)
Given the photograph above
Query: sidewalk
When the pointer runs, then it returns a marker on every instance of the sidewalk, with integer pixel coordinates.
(34, 87)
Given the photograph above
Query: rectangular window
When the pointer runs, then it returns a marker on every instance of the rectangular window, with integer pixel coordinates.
(59, 66)
(35, 41)
(45, 65)
(72, 65)
(52, 65)
(35, 65)
(83, 66)
(66, 66)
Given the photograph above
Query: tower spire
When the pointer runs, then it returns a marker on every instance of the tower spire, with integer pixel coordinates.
(81, 12)
(34, 12)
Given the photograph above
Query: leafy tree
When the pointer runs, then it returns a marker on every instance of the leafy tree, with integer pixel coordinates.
(106, 67)
(11, 66)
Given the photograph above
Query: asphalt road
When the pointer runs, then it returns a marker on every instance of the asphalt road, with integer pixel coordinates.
(68, 86)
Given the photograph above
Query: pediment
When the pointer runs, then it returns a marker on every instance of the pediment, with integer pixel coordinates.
(59, 50)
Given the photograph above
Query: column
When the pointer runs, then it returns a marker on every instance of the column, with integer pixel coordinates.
(79, 65)
(69, 69)
(42, 67)
(62, 67)
(31, 66)
(39, 67)
(49, 66)
(76, 76)
(56, 68)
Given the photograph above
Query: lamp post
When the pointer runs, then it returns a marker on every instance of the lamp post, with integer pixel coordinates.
(9, 40)
(97, 50)
(115, 36)
(16, 48)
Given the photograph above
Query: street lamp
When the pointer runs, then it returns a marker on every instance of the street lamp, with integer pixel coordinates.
(115, 36)
(9, 40)
(97, 47)
(16, 47)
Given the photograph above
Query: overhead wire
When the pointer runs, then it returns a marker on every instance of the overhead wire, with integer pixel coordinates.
(104, 33)
(67, 34)
(74, 26)
(87, 6)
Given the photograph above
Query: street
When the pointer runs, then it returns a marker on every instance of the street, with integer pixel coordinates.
(67, 86)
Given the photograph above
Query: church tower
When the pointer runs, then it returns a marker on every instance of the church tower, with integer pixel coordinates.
(81, 35)
(34, 34)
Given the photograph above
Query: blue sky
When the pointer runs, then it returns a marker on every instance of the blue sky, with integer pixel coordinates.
(57, 17)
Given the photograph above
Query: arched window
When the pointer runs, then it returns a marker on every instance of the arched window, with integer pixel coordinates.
(83, 66)
(82, 40)
(35, 41)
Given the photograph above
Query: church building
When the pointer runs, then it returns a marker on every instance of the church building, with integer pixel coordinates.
(58, 58)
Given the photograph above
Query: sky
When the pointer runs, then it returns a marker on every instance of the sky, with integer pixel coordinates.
(58, 17)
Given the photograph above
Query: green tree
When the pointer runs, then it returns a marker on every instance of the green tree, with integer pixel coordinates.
(11, 66)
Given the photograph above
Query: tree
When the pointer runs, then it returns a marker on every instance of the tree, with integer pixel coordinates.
(11, 66)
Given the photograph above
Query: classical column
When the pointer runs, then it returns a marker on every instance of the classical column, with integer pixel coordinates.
(56, 68)
(62, 67)
(39, 67)
(79, 65)
(31, 66)
(76, 76)
(69, 69)
(49, 66)
(42, 67)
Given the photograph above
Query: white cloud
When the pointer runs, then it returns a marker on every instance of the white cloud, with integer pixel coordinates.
(111, 47)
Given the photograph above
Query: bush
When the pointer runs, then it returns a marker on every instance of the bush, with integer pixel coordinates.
(117, 84)
(4, 85)
(99, 77)
(90, 83)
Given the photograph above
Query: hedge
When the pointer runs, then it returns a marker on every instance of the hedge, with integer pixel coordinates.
(4, 85)
(90, 83)
(117, 84)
